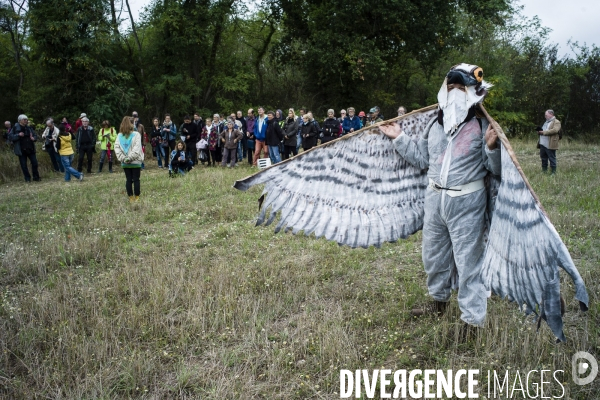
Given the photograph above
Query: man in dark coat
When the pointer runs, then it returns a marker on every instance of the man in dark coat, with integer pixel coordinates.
(274, 136)
(23, 138)
(190, 133)
(86, 144)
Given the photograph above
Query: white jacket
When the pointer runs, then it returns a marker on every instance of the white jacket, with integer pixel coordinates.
(135, 154)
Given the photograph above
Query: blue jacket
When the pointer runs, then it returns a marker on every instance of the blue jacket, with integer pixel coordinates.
(168, 136)
(262, 134)
(351, 123)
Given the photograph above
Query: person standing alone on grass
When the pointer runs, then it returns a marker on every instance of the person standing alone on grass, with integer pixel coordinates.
(86, 144)
(128, 147)
(549, 137)
(65, 150)
(107, 137)
(23, 137)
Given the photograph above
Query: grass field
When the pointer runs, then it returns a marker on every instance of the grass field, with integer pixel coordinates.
(180, 296)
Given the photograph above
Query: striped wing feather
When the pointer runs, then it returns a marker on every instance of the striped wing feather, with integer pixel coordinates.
(524, 251)
(358, 192)
(355, 190)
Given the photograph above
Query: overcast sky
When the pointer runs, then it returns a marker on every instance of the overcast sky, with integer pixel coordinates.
(577, 21)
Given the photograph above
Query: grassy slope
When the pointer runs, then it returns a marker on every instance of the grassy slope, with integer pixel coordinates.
(180, 295)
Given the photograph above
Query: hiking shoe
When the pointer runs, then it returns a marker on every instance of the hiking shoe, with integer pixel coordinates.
(436, 308)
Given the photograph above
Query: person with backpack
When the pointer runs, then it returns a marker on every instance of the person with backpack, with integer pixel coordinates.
(65, 151)
(49, 136)
(86, 144)
(107, 137)
(23, 138)
(128, 148)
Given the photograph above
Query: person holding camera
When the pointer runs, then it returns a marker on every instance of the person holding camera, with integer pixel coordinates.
(49, 135)
(107, 137)
(128, 148)
(179, 162)
(23, 138)
(548, 141)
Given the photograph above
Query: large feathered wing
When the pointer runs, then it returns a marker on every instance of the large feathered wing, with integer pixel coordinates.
(524, 251)
(358, 192)
(355, 190)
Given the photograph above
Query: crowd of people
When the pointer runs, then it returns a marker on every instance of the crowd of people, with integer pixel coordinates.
(228, 140)
(224, 140)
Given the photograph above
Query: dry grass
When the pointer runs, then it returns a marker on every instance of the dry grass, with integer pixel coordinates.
(180, 296)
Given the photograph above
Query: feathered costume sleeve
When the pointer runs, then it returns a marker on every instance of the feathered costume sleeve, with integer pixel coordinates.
(359, 192)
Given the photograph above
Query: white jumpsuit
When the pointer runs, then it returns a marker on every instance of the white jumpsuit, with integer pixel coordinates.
(453, 231)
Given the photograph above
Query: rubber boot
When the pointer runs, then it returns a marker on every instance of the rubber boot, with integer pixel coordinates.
(544, 170)
(553, 171)
(110, 167)
(437, 308)
(100, 167)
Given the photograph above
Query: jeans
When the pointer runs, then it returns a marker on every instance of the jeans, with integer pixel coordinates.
(298, 142)
(240, 153)
(160, 155)
(55, 159)
(89, 150)
(547, 154)
(132, 184)
(103, 155)
(274, 154)
(34, 167)
(66, 162)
